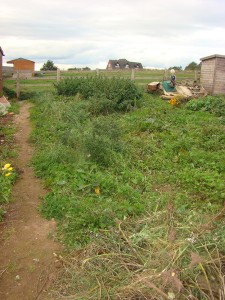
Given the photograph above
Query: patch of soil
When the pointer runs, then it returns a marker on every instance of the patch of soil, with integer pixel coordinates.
(27, 262)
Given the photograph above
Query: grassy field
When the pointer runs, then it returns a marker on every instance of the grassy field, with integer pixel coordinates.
(137, 191)
(46, 80)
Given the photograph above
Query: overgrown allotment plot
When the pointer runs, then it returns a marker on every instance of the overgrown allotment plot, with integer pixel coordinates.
(138, 186)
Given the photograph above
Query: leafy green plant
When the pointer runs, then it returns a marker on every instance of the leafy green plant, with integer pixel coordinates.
(27, 95)
(7, 178)
(68, 86)
(9, 92)
(105, 94)
(212, 104)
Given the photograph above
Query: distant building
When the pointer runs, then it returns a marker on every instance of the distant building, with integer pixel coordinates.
(123, 64)
(213, 74)
(1, 83)
(25, 67)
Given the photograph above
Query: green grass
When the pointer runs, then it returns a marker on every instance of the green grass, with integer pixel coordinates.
(159, 146)
(141, 194)
(7, 156)
(156, 229)
(141, 76)
(30, 86)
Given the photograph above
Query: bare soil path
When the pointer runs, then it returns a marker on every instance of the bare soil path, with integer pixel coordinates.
(27, 263)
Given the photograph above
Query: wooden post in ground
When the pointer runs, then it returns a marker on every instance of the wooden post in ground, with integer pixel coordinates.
(58, 74)
(132, 74)
(97, 72)
(17, 85)
(165, 76)
(196, 74)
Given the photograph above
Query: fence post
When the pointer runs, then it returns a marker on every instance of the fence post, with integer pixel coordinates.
(196, 75)
(97, 72)
(165, 76)
(58, 74)
(132, 74)
(17, 85)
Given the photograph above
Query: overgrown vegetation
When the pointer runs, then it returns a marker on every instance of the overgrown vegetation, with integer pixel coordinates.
(7, 178)
(10, 93)
(143, 190)
(212, 104)
(7, 154)
(106, 94)
(159, 256)
(24, 95)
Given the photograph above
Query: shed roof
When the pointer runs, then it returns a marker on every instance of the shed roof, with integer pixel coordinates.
(13, 60)
(212, 56)
(1, 51)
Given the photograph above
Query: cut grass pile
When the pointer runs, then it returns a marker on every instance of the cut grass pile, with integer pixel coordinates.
(160, 256)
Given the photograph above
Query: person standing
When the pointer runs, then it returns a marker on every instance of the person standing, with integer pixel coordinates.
(172, 78)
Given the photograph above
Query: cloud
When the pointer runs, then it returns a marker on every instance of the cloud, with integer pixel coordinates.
(81, 33)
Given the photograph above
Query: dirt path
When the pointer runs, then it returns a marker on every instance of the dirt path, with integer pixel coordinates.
(27, 262)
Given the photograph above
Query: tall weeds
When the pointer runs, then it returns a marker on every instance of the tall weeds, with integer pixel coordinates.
(105, 94)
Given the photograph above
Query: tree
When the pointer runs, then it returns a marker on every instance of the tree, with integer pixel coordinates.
(48, 66)
(176, 68)
(192, 66)
(79, 69)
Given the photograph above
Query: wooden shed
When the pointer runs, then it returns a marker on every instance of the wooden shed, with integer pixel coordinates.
(1, 79)
(213, 74)
(25, 67)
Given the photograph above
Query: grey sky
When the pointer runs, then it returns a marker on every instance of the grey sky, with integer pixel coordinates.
(89, 33)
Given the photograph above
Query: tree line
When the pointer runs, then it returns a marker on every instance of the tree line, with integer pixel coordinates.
(49, 66)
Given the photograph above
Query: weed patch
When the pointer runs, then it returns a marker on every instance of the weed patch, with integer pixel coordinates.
(125, 156)
(7, 153)
(141, 192)
(106, 95)
(212, 104)
(159, 256)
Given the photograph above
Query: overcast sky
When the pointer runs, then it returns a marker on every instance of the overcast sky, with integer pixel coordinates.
(157, 33)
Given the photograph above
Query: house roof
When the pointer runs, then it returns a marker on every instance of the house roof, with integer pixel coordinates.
(1, 51)
(13, 60)
(123, 63)
(212, 56)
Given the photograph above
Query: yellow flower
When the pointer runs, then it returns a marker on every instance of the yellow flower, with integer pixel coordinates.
(10, 169)
(97, 190)
(174, 101)
(7, 174)
(6, 166)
